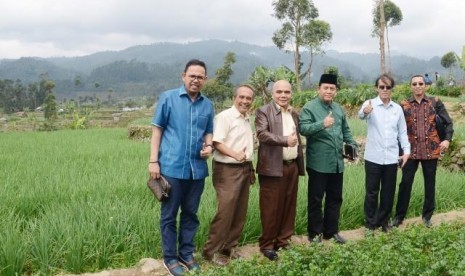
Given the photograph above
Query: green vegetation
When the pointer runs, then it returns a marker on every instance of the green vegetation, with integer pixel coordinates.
(416, 251)
(300, 29)
(76, 201)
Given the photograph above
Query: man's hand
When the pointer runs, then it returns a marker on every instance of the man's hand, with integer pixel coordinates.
(367, 110)
(292, 139)
(240, 156)
(404, 159)
(444, 145)
(328, 121)
(154, 170)
(206, 151)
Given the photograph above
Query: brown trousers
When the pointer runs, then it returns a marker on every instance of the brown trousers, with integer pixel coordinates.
(278, 197)
(232, 183)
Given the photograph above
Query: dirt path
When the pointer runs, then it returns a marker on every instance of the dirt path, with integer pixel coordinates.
(154, 267)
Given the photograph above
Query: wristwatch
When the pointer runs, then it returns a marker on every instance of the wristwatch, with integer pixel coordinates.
(211, 146)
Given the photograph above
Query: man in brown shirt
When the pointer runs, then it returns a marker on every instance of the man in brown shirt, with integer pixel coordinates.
(426, 147)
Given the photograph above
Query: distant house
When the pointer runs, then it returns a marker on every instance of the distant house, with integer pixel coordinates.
(127, 109)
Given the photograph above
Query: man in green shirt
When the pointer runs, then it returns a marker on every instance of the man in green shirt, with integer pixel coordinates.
(324, 124)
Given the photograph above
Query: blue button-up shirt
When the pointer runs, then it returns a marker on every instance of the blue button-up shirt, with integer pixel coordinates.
(386, 128)
(184, 124)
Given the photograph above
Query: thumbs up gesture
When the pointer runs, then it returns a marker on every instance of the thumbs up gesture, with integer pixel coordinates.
(328, 121)
(292, 139)
(368, 108)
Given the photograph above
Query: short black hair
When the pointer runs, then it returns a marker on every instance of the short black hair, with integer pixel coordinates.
(384, 78)
(417, 76)
(194, 62)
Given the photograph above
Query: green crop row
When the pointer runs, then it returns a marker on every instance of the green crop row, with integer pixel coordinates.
(76, 201)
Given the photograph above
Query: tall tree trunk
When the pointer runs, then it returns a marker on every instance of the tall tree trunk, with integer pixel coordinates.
(297, 66)
(388, 64)
(309, 72)
(382, 28)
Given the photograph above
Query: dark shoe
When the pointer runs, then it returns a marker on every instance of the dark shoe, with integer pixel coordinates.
(396, 222)
(221, 260)
(174, 268)
(314, 238)
(218, 259)
(191, 264)
(336, 237)
(386, 228)
(231, 253)
(270, 254)
(207, 256)
(282, 247)
(427, 223)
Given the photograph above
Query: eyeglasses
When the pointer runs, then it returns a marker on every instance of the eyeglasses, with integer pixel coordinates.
(383, 87)
(417, 83)
(194, 77)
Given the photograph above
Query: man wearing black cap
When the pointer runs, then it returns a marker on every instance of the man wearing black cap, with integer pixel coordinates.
(324, 124)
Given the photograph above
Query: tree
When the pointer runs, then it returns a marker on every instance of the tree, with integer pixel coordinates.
(391, 16)
(50, 108)
(261, 77)
(77, 81)
(220, 88)
(298, 30)
(316, 33)
(462, 65)
(449, 60)
(223, 74)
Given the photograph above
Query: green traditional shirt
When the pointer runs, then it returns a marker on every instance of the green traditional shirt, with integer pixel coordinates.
(324, 145)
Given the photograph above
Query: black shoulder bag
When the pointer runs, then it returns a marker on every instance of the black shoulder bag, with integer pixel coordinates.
(440, 123)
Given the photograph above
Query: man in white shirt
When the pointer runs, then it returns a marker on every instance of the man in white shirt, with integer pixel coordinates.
(386, 128)
(232, 176)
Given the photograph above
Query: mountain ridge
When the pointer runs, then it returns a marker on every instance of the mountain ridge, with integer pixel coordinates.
(157, 60)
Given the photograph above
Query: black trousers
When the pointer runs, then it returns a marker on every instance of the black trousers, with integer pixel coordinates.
(328, 185)
(380, 182)
(405, 188)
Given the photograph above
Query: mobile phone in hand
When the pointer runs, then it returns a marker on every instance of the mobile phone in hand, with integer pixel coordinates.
(400, 162)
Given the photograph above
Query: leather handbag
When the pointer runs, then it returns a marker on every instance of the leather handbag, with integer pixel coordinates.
(350, 152)
(159, 187)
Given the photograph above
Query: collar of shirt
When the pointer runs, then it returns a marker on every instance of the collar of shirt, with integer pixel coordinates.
(183, 92)
(412, 99)
(282, 109)
(325, 104)
(378, 101)
(237, 114)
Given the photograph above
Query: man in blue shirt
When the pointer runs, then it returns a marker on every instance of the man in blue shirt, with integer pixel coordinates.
(181, 143)
(386, 128)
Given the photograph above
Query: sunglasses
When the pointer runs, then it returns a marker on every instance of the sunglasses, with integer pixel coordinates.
(418, 83)
(385, 87)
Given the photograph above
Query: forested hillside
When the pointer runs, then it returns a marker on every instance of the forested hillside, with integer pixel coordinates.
(151, 69)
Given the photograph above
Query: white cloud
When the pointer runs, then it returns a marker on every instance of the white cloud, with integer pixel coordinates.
(68, 28)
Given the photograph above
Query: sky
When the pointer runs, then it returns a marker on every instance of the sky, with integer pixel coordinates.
(57, 28)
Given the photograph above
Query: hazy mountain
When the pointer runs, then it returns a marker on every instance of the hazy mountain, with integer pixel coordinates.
(149, 69)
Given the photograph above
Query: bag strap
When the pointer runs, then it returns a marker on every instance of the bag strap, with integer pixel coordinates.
(434, 101)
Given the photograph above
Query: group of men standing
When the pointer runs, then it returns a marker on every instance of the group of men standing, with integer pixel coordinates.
(186, 133)
(411, 131)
